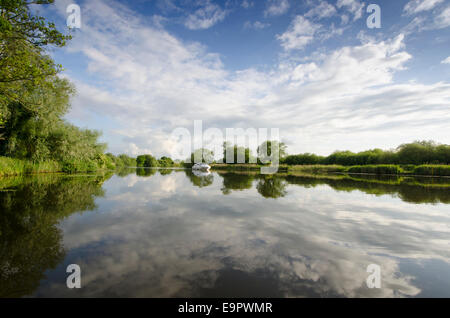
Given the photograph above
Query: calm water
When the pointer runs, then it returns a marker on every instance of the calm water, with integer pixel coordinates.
(150, 233)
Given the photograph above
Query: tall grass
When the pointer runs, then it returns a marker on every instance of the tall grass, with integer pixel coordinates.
(15, 167)
(317, 169)
(11, 167)
(376, 169)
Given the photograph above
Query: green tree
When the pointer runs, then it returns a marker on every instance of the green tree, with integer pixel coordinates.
(166, 162)
(33, 99)
(270, 149)
(24, 65)
(238, 154)
(202, 155)
(146, 161)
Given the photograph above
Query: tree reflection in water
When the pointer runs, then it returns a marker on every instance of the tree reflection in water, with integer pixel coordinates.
(412, 190)
(31, 208)
(200, 179)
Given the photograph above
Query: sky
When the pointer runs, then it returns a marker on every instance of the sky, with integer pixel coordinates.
(312, 69)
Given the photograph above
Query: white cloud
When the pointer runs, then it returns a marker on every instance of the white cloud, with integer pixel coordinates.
(321, 10)
(277, 7)
(145, 82)
(446, 61)
(353, 6)
(205, 17)
(416, 6)
(344, 19)
(257, 25)
(247, 4)
(443, 19)
(299, 34)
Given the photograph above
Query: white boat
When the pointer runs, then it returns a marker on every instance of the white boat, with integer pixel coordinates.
(201, 167)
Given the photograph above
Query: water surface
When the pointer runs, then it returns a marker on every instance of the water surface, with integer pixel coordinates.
(166, 233)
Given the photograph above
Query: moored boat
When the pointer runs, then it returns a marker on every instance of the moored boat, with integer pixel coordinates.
(201, 167)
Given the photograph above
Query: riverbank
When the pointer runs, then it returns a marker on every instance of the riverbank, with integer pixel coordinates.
(17, 167)
(401, 170)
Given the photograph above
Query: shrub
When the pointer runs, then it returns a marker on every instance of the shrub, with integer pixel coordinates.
(433, 170)
(74, 166)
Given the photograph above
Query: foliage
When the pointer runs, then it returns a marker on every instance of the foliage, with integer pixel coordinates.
(202, 155)
(25, 68)
(304, 159)
(270, 149)
(13, 167)
(432, 170)
(147, 161)
(120, 161)
(416, 153)
(165, 162)
(238, 154)
(33, 99)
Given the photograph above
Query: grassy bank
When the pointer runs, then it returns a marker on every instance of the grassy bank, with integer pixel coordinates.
(376, 169)
(317, 169)
(422, 170)
(16, 167)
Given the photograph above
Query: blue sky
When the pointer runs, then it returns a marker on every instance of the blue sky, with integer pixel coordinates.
(313, 69)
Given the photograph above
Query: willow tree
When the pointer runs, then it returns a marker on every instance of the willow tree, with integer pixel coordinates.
(29, 87)
(34, 98)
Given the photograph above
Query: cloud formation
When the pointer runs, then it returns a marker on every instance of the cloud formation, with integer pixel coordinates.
(145, 82)
(416, 6)
(355, 7)
(205, 17)
(257, 25)
(300, 33)
(321, 10)
(277, 7)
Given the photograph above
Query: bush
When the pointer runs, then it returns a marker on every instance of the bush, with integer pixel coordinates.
(432, 170)
(146, 161)
(74, 166)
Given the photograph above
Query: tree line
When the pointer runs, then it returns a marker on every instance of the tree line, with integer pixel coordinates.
(415, 153)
